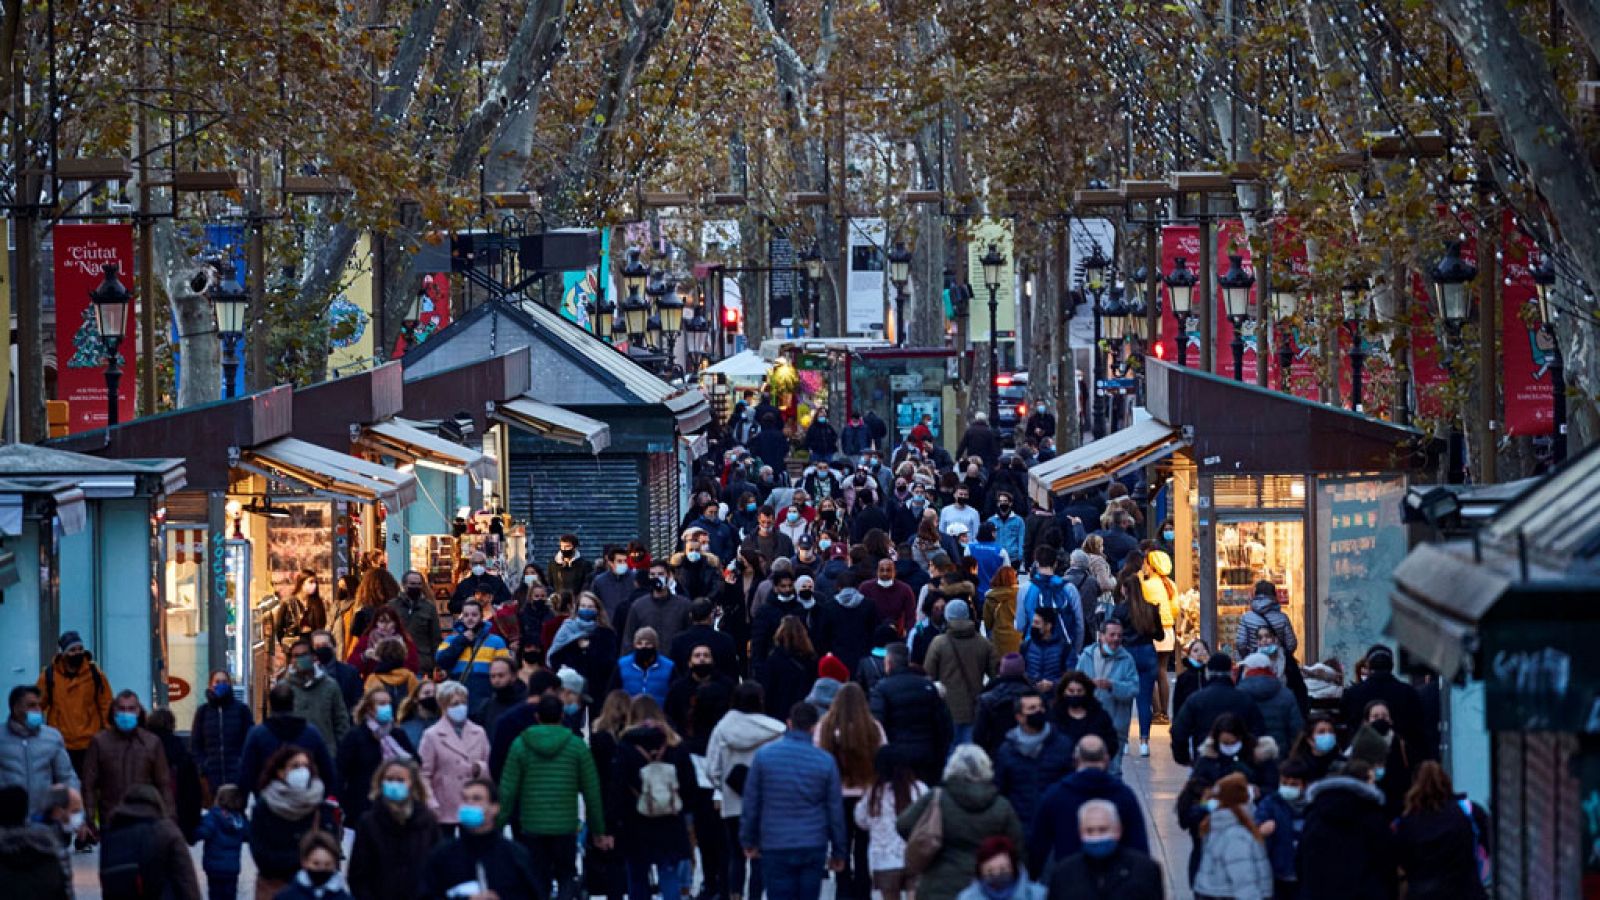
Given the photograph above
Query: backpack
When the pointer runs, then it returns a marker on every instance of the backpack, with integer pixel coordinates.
(123, 873)
(1480, 853)
(658, 788)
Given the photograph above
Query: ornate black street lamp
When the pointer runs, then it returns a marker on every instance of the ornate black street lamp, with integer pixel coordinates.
(1353, 298)
(1180, 287)
(231, 300)
(1235, 285)
(993, 265)
(899, 274)
(1544, 279)
(1285, 300)
(814, 264)
(111, 302)
(1450, 277)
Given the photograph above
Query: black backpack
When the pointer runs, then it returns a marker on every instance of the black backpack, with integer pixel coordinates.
(125, 872)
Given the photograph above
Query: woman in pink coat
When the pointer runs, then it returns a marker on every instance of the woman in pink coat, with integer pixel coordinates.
(454, 751)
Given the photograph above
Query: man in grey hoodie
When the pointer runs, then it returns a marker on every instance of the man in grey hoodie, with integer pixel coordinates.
(733, 744)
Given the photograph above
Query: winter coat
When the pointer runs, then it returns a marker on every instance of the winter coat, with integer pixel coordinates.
(449, 761)
(165, 858)
(498, 703)
(653, 681)
(734, 743)
(971, 812)
(723, 651)
(467, 659)
(398, 683)
(78, 705)
(997, 712)
(225, 834)
(961, 660)
(569, 575)
(1120, 670)
(792, 798)
(896, 604)
(1280, 714)
(31, 864)
(422, 623)
(505, 864)
(640, 837)
(321, 703)
(1055, 822)
(216, 738)
(1024, 889)
(184, 799)
(265, 739)
(34, 761)
(597, 663)
(669, 617)
(1188, 683)
(1025, 770)
(1405, 708)
(1096, 721)
(1346, 848)
(915, 720)
(613, 590)
(1437, 851)
(980, 440)
(546, 771)
(786, 679)
(999, 619)
(1126, 874)
(360, 754)
(886, 849)
(1192, 725)
(1287, 818)
(1052, 592)
(367, 665)
(847, 624)
(1264, 611)
(117, 761)
(1047, 660)
(387, 858)
(1010, 532)
(467, 588)
(1233, 863)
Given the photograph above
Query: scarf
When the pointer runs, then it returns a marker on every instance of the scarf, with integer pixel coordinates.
(1029, 745)
(385, 734)
(291, 804)
(572, 630)
(333, 885)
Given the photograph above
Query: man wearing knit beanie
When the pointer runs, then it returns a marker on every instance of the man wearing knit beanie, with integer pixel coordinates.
(997, 704)
(960, 660)
(1280, 712)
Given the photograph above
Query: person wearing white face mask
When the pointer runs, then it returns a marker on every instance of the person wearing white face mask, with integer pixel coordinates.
(291, 801)
(454, 751)
(482, 574)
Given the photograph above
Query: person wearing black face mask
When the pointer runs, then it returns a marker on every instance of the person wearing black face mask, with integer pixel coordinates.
(1035, 756)
(699, 697)
(420, 617)
(346, 676)
(507, 692)
(1077, 712)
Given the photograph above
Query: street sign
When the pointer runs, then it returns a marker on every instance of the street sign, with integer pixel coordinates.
(1116, 385)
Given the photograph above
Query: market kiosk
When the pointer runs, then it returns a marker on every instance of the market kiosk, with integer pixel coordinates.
(1260, 486)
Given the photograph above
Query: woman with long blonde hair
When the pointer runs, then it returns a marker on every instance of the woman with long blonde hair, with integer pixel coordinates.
(852, 737)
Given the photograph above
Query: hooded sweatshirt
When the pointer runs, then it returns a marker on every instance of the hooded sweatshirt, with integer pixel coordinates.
(733, 743)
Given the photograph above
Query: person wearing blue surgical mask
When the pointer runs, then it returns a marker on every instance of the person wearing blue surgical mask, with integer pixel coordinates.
(217, 735)
(384, 861)
(39, 748)
(480, 859)
(122, 756)
(365, 747)
(1105, 858)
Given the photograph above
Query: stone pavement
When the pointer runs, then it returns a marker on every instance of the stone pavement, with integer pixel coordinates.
(1157, 780)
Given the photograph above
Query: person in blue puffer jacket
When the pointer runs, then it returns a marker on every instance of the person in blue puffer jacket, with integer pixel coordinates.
(644, 671)
(1046, 654)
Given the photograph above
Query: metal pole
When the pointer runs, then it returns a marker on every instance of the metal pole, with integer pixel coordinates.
(1358, 361)
(994, 353)
(1097, 412)
(1285, 359)
(900, 324)
(1558, 394)
(230, 365)
(1202, 294)
(1180, 341)
(1488, 361)
(113, 377)
(147, 288)
(1263, 316)
(1238, 348)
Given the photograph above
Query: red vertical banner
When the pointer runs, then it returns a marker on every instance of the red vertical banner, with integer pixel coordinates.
(81, 251)
(433, 312)
(1525, 347)
(1232, 240)
(1176, 241)
(1429, 376)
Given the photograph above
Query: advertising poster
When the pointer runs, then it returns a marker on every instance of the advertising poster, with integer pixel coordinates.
(581, 289)
(80, 253)
(350, 331)
(1359, 525)
(433, 313)
(868, 288)
(783, 282)
(1525, 346)
(998, 233)
(1083, 235)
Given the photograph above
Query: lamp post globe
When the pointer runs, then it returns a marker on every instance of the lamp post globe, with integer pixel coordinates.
(1180, 289)
(230, 301)
(1450, 277)
(899, 274)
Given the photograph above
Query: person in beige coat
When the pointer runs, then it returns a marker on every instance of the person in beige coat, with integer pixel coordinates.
(960, 660)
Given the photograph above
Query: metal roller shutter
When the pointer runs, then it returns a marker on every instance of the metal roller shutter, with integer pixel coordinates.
(595, 497)
(664, 516)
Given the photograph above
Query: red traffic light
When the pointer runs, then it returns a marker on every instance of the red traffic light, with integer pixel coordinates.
(730, 318)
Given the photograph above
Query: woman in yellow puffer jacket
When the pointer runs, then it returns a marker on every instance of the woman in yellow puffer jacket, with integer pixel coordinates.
(1155, 580)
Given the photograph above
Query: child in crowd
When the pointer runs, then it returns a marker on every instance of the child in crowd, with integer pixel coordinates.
(225, 831)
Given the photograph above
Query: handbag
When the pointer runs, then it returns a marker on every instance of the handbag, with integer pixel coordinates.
(927, 836)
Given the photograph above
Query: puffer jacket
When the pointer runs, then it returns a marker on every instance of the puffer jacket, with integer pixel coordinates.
(75, 705)
(1264, 611)
(34, 761)
(1356, 852)
(972, 812)
(999, 615)
(321, 703)
(1158, 589)
(117, 761)
(1233, 862)
(31, 864)
(1279, 711)
(1024, 768)
(961, 660)
(546, 771)
(734, 742)
(217, 739)
(165, 854)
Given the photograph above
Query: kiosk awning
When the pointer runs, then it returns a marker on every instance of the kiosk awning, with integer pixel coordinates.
(337, 473)
(690, 409)
(1439, 601)
(1113, 456)
(555, 423)
(400, 438)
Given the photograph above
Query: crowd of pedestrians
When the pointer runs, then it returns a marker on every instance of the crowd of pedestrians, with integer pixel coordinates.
(892, 672)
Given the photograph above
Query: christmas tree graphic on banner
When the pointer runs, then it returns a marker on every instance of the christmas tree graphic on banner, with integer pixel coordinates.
(88, 351)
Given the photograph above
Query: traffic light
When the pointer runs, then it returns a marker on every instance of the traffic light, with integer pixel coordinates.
(730, 319)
